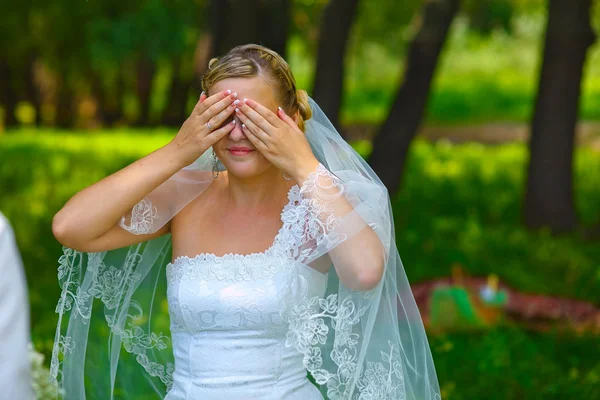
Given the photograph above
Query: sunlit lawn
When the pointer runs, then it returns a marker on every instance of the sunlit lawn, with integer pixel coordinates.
(460, 203)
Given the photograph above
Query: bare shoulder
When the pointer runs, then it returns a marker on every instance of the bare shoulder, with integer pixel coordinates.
(201, 204)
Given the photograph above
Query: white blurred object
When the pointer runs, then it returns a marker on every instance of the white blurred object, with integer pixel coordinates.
(15, 379)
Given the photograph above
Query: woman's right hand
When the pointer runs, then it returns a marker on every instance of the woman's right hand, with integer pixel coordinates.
(195, 136)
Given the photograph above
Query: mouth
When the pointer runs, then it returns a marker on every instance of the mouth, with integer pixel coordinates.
(240, 151)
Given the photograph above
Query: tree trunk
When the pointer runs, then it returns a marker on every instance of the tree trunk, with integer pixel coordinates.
(233, 22)
(549, 191)
(8, 95)
(274, 24)
(66, 111)
(391, 144)
(333, 39)
(145, 69)
(110, 99)
(99, 94)
(32, 92)
(174, 113)
(202, 55)
(263, 22)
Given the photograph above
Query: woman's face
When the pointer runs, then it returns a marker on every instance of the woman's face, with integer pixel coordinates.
(243, 164)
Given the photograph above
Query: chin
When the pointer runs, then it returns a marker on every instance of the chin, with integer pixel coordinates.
(246, 167)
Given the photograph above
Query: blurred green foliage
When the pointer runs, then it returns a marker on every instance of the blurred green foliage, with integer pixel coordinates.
(480, 78)
(488, 71)
(460, 204)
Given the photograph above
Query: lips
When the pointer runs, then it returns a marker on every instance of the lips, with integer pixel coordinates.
(236, 150)
(239, 148)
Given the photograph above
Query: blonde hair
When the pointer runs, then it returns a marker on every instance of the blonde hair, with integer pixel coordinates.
(254, 60)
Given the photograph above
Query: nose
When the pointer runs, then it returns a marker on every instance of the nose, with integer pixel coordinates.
(237, 133)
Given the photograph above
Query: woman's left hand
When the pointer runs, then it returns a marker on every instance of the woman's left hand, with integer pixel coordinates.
(278, 138)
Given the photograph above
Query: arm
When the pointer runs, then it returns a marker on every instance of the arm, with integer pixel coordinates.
(92, 219)
(89, 221)
(359, 260)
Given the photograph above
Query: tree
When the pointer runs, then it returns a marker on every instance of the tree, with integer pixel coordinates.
(391, 144)
(549, 189)
(274, 24)
(8, 96)
(237, 22)
(333, 40)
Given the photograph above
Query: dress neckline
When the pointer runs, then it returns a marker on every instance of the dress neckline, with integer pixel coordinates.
(291, 195)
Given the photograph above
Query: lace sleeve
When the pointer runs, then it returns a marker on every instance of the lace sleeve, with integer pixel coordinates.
(159, 206)
(140, 219)
(320, 192)
(344, 218)
(341, 226)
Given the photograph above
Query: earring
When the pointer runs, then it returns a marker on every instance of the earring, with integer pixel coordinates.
(215, 171)
(287, 178)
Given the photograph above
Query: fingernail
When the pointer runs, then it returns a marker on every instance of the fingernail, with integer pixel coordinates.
(237, 110)
(234, 94)
(280, 109)
(201, 94)
(233, 122)
(244, 126)
(236, 102)
(245, 100)
(228, 91)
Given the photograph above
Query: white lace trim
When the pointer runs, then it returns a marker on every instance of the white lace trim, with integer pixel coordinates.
(235, 267)
(141, 218)
(109, 284)
(229, 267)
(315, 321)
(307, 223)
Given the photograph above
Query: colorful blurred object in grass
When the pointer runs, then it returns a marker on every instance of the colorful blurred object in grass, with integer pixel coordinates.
(455, 307)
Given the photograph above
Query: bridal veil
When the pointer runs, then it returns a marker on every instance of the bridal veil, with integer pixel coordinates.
(112, 340)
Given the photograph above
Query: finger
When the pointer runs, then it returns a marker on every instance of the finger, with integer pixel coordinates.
(214, 99)
(264, 112)
(258, 119)
(255, 129)
(217, 134)
(256, 142)
(222, 116)
(210, 115)
(200, 100)
(286, 118)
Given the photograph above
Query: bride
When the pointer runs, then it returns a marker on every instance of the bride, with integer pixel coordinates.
(283, 280)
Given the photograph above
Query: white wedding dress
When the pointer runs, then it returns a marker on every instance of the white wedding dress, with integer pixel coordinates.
(227, 326)
(250, 326)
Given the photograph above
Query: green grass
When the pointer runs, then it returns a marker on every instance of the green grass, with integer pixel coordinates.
(459, 204)
(513, 364)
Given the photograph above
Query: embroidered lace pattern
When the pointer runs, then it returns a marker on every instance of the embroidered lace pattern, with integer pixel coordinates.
(309, 225)
(110, 285)
(141, 218)
(314, 321)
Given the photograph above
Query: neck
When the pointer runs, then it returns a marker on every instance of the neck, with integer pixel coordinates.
(258, 190)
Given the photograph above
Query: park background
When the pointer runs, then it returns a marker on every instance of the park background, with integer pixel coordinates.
(482, 117)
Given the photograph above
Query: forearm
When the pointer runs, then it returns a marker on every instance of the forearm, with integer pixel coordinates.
(359, 257)
(93, 211)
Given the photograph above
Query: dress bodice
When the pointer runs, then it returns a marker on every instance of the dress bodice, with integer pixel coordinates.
(228, 322)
